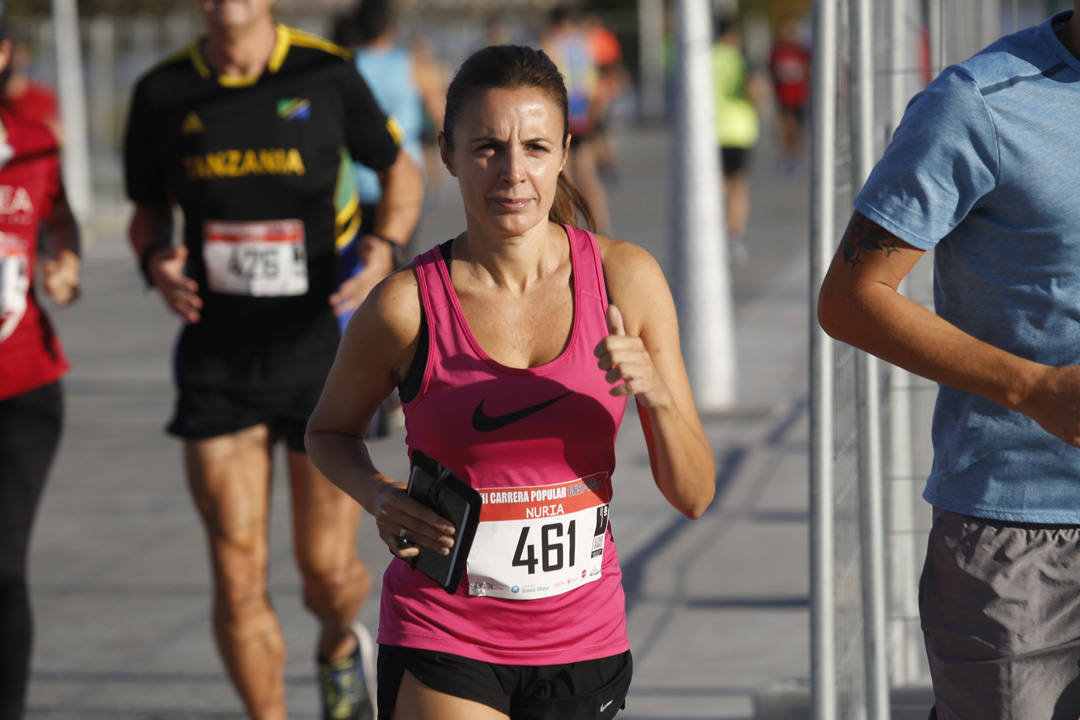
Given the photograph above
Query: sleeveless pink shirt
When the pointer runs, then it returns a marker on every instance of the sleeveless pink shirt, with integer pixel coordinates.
(543, 584)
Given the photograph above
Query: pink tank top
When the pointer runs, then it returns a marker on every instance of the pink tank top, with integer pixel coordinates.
(543, 584)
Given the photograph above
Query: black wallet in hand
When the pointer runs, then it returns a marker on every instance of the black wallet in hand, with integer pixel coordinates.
(433, 485)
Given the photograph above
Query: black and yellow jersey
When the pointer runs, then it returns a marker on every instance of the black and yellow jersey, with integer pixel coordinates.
(254, 164)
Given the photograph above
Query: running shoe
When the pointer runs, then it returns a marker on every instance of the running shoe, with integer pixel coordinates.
(347, 685)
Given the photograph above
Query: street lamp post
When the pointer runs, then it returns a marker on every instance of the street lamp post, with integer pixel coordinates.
(76, 166)
(703, 286)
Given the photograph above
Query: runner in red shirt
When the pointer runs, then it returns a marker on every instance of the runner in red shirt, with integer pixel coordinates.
(611, 78)
(25, 98)
(31, 363)
(789, 65)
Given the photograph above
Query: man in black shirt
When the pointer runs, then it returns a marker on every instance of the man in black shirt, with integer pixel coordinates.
(245, 130)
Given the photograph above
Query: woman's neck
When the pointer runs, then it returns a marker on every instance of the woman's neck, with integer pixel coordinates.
(514, 263)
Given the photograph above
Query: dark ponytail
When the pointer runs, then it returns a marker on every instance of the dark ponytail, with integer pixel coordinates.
(515, 66)
(570, 206)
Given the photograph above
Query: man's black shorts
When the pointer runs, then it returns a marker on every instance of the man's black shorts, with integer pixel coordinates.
(587, 690)
(203, 412)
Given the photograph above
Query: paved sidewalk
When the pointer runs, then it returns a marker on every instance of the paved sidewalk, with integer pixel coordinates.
(718, 608)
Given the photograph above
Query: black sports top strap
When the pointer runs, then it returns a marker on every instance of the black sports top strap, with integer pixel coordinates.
(410, 385)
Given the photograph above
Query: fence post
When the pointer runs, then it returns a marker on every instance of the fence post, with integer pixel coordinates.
(822, 239)
(868, 391)
(906, 645)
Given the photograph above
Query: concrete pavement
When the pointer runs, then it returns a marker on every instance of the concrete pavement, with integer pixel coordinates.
(718, 607)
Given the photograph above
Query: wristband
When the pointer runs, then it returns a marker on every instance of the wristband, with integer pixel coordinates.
(397, 249)
(144, 260)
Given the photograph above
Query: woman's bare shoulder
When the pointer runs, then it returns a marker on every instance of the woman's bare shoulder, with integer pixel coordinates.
(626, 263)
(393, 308)
(635, 281)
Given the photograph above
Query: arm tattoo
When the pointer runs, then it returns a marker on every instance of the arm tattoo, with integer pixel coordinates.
(863, 236)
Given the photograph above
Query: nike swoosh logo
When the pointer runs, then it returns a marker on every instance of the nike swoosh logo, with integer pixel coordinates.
(482, 422)
(605, 705)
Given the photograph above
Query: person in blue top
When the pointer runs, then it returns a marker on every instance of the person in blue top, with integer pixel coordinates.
(983, 169)
(408, 88)
(404, 86)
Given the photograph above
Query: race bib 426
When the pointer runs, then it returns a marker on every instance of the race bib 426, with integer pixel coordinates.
(535, 542)
(258, 258)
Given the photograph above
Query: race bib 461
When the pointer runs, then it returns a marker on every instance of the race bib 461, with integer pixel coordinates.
(258, 258)
(535, 542)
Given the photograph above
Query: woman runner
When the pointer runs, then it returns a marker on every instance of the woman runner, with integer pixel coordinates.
(513, 346)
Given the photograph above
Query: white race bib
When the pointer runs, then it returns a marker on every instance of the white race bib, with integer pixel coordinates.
(258, 258)
(14, 284)
(535, 542)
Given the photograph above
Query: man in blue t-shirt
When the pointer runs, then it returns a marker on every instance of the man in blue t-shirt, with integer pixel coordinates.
(985, 169)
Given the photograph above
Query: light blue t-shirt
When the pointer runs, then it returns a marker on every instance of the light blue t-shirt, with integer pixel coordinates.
(985, 167)
(389, 74)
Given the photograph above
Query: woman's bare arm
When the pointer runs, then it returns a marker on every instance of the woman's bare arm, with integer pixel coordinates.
(644, 357)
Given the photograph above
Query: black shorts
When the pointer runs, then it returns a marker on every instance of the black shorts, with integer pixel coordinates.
(799, 111)
(734, 160)
(587, 690)
(205, 412)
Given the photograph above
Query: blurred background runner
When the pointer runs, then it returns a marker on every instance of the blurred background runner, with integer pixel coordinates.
(611, 79)
(789, 66)
(567, 43)
(407, 86)
(31, 361)
(738, 95)
(25, 97)
(410, 87)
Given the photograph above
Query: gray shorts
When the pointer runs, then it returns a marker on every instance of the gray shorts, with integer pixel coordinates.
(1000, 609)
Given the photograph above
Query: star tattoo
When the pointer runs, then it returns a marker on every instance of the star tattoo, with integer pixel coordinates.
(863, 236)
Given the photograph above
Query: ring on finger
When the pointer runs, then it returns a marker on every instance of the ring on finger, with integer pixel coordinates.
(402, 541)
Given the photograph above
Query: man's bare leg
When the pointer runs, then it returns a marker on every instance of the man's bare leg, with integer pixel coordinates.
(336, 583)
(229, 477)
